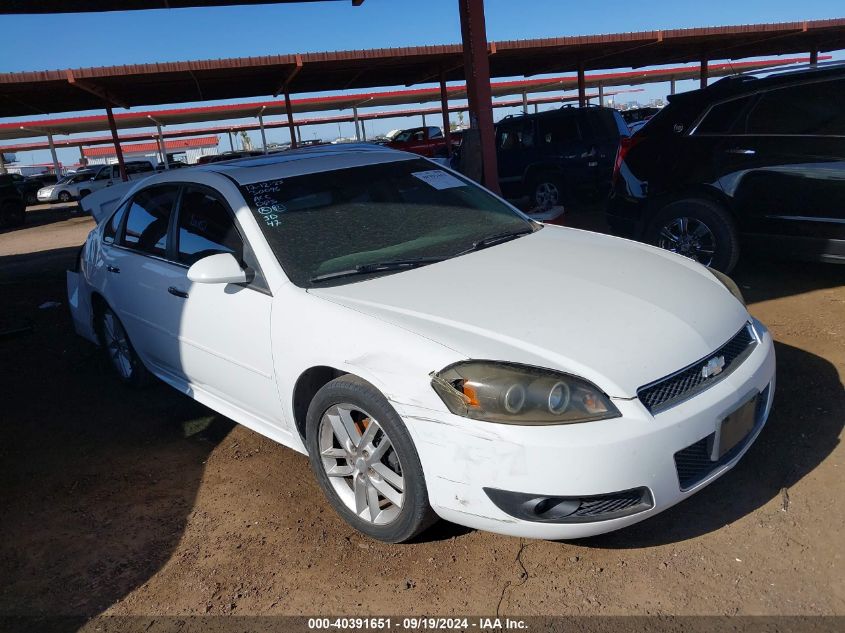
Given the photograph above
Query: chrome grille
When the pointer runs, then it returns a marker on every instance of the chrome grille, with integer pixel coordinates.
(685, 383)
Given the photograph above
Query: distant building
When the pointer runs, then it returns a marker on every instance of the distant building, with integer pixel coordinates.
(187, 150)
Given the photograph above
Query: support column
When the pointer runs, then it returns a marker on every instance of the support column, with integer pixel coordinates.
(444, 109)
(477, 72)
(524, 102)
(423, 120)
(263, 135)
(814, 57)
(672, 86)
(117, 150)
(363, 131)
(56, 166)
(2, 163)
(231, 144)
(535, 108)
(164, 158)
(289, 112)
(704, 74)
(582, 87)
(299, 135)
(601, 95)
(355, 120)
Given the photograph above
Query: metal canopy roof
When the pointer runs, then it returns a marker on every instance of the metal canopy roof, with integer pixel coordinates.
(343, 118)
(41, 92)
(85, 6)
(177, 116)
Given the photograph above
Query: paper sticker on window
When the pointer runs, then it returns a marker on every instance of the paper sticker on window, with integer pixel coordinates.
(439, 179)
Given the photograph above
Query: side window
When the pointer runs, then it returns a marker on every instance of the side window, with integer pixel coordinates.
(807, 109)
(113, 225)
(434, 132)
(516, 136)
(147, 220)
(507, 139)
(559, 129)
(205, 228)
(103, 174)
(725, 118)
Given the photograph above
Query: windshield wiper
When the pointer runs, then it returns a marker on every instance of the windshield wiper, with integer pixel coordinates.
(492, 240)
(378, 267)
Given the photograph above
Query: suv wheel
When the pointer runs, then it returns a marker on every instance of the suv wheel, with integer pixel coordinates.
(546, 191)
(64, 196)
(30, 198)
(365, 461)
(699, 229)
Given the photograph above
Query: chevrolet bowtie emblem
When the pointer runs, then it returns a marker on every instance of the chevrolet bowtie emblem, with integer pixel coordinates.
(713, 367)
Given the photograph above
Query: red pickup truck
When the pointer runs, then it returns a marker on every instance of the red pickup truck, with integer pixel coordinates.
(425, 141)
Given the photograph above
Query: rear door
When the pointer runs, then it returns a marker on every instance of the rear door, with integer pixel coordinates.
(783, 162)
(564, 146)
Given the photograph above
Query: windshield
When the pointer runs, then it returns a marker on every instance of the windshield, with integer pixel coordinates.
(77, 177)
(353, 219)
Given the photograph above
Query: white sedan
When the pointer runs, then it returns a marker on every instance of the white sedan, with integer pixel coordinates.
(432, 350)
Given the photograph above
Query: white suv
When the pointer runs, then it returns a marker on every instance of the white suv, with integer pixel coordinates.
(78, 185)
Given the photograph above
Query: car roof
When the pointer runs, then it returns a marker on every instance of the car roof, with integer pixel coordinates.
(750, 83)
(306, 160)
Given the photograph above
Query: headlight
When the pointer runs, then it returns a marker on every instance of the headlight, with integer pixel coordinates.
(519, 394)
(728, 283)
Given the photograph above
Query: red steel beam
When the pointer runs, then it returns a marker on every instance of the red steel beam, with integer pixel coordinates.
(479, 94)
(118, 152)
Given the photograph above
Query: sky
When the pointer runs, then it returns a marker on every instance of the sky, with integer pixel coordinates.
(42, 42)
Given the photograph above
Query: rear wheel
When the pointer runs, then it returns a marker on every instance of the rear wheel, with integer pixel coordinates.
(118, 349)
(699, 229)
(64, 196)
(30, 198)
(546, 191)
(365, 461)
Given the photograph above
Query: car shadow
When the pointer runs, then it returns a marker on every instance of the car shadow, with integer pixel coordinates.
(41, 215)
(804, 426)
(97, 479)
(762, 278)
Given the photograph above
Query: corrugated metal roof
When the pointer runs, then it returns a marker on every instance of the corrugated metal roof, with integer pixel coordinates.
(138, 148)
(70, 90)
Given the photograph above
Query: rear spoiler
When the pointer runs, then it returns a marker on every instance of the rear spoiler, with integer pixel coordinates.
(101, 203)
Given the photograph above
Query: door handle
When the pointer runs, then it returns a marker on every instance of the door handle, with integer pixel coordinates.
(177, 293)
(112, 269)
(741, 151)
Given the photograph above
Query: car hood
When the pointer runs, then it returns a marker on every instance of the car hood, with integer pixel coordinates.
(618, 313)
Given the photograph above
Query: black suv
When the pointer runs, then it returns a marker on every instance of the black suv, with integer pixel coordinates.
(12, 207)
(560, 156)
(757, 160)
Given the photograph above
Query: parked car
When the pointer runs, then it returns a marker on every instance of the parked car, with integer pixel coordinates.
(86, 181)
(745, 161)
(12, 206)
(393, 321)
(558, 157)
(635, 115)
(26, 187)
(426, 141)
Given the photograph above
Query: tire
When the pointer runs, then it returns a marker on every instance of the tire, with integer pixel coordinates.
(64, 196)
(12, 213)
(118, 350)
(336, 417)
(30, 198)
(546, 190)
(699, 229)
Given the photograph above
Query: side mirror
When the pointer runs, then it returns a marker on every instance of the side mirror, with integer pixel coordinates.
(222, 268)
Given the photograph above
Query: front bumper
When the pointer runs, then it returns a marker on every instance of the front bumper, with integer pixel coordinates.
(53, 196)
(461, 457)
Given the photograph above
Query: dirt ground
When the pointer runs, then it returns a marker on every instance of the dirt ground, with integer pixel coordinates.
(144, 502)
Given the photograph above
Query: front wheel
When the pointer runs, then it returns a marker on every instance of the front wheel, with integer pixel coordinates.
(699, 229)
(546, 191)
(119, 351)
(365, 461)
(64, 196)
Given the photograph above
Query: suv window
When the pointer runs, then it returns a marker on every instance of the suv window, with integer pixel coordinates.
(559, 129)
(147, 220)
(205, 227)
(104, 174)
(724, 118)
(434, 132)
(138, 168)
(516, 135)
(806, 109)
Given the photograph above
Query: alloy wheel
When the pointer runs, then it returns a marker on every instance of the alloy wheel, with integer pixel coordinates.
(117, 345)
(689, 237)
(361, 463)
(546, 194)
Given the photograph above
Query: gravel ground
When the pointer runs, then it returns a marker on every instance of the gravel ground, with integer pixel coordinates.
(143, 502)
